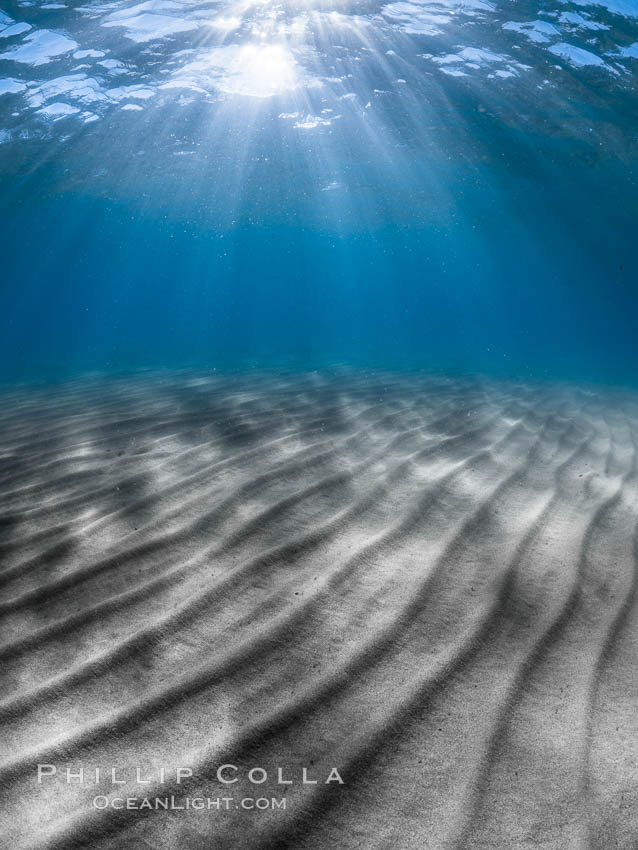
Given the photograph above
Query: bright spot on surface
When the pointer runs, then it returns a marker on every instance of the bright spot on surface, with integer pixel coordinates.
(252, 70)
(226, 24)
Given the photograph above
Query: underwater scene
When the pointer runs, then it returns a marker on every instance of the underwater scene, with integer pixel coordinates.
(318, 424)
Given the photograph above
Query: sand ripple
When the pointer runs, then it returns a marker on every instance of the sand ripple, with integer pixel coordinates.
(427, 583)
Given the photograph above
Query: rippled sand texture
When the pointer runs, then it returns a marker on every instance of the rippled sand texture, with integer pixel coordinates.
(430, 584)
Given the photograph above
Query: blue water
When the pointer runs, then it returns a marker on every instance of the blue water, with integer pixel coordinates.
(332, 195)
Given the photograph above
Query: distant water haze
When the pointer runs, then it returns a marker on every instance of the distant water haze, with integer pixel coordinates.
(518, 279)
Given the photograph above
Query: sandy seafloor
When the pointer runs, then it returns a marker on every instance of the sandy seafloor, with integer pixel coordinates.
(426, 582)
